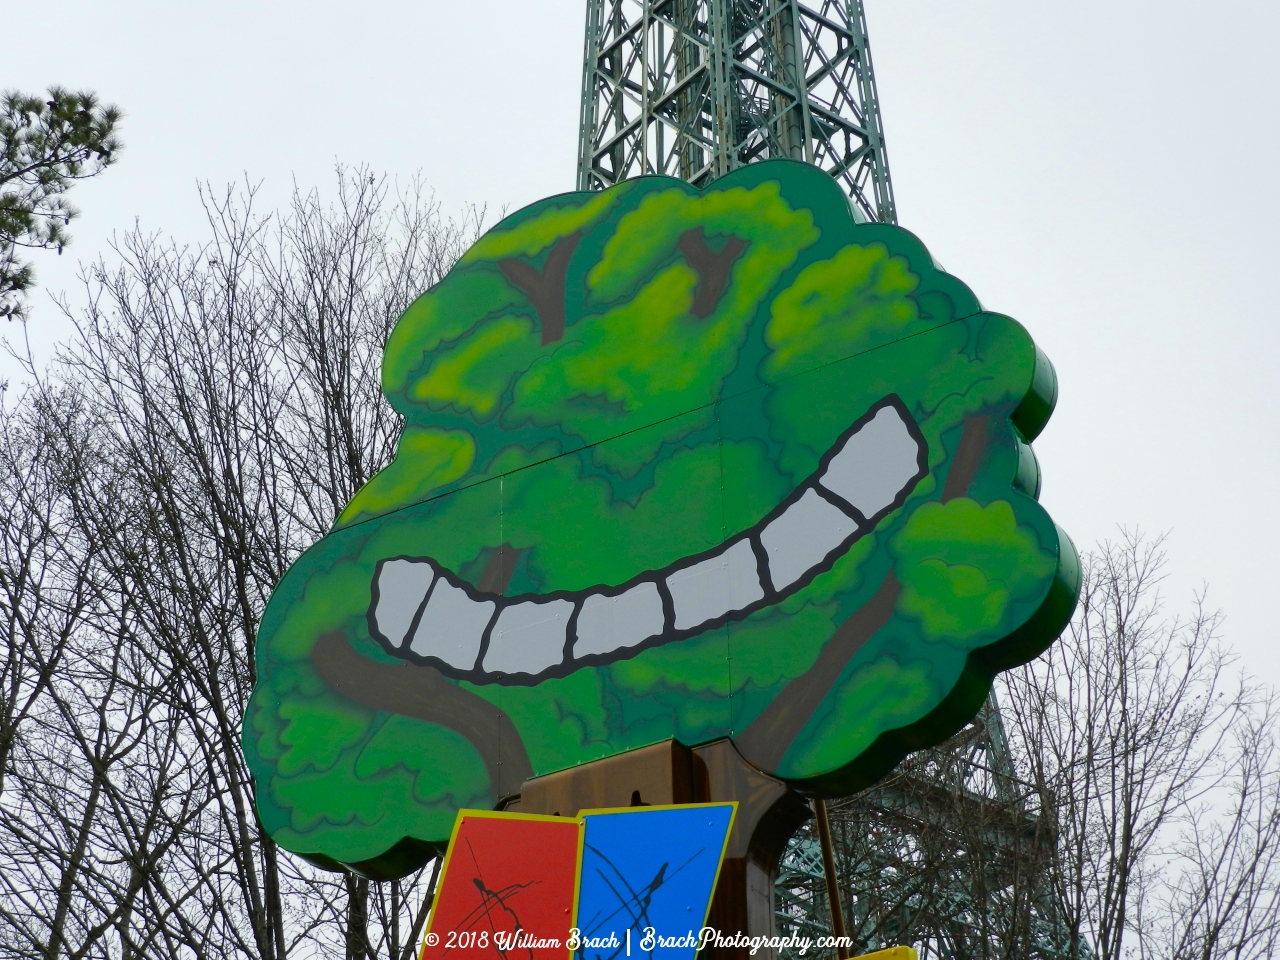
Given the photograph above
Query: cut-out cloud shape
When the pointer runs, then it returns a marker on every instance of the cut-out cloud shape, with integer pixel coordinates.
(675, 463)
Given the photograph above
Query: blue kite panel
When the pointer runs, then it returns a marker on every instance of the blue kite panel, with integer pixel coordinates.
(648, 874)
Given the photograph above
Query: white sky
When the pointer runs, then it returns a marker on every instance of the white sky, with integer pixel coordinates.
(1105, 171)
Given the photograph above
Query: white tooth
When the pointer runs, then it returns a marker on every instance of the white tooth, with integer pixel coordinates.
(528, 637)
(874, 464)
(401, 586)
(452, 626)
(607, 623)
(713, 587)
(802, 537)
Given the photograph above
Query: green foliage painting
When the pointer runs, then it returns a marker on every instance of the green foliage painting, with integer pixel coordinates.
(675, 463)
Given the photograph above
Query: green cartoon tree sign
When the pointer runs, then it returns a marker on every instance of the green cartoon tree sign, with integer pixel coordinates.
(675, 463)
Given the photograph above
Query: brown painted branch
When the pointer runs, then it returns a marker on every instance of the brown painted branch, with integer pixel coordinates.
(713, 268)
(968, 455)
(498, 571)
(545, 287)
(417, 691)
(768, 737)
(422, 692)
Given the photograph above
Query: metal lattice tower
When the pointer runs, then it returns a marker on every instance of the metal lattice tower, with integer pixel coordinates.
(950, 852)
(697, 88)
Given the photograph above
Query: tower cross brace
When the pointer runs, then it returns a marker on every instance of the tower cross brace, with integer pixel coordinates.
(697, 88)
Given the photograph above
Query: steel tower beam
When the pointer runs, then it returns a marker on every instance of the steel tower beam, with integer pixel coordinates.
(951, 852)
(697, 88)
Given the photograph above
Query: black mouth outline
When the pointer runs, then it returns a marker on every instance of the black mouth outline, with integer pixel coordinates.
(670, 633)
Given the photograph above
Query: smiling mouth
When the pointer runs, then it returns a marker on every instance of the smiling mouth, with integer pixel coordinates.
(422, 612)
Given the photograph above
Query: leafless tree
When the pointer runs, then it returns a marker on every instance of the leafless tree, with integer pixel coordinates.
(1121, 798)
(214, 412)
(1154, 765)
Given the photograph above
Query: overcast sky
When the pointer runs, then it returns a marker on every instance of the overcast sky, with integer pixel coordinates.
(1105, 172)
